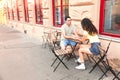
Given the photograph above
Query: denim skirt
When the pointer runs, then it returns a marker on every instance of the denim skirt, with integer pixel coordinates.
(94, 48)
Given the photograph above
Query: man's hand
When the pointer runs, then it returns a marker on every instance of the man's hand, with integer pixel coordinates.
(73, 37)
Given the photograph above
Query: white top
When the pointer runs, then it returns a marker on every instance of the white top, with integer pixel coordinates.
(93, 38)
(67, 29)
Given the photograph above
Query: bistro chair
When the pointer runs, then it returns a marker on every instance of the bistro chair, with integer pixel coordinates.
(103, 59)
(107, 66)
(98, 59)
(46, 36)
(59, 53)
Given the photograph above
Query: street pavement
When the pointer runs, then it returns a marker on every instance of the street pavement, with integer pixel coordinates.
(23, 57)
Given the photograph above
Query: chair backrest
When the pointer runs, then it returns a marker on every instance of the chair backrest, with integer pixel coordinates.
(103, 50)
(57, 37)
(108, 46)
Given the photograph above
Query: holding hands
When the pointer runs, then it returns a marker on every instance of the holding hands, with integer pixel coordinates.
(76, 38)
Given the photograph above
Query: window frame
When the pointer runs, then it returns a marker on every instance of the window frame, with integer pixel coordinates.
(8, 12)
(41, 15)
(12, 10)
(26, 13)
(17, 10)
(61, 12)
(12, 14)
(101, 23)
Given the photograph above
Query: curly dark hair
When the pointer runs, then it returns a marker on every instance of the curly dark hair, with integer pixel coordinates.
(88, 26)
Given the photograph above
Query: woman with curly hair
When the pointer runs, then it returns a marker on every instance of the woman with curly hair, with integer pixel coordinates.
(89, 32)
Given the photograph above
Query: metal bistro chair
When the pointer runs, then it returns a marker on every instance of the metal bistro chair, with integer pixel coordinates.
(103, 59)
(59, 54)
(46, 36)
(98, 59)
(109, 68)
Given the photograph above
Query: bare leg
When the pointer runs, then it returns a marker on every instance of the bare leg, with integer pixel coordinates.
(81, 56)
(69, 48)
(84, 49)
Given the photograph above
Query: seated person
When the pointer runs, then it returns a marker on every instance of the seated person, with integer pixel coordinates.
(91, 33)
(68, 33)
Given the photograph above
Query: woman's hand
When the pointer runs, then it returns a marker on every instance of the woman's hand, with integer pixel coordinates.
(76, 38)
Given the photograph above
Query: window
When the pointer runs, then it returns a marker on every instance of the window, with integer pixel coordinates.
(26, 10)
(8, 12)
(110, 18)
(18, 16)
(12, 14)
(13, 9)
(38, 12)
(60, 10)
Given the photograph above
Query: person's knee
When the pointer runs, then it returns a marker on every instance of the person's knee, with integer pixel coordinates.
(81, 50)
(82, 46)
(69, 48)
(63, 47)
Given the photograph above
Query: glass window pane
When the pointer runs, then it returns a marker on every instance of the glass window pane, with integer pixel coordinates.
(65, 8)
(57, 16)
(65, 2)
(112, 16)
(38, 11)
(57, 3)
(60, 11)
(65, 12)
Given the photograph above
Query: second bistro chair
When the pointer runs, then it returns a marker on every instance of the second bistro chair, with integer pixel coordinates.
(58, 52)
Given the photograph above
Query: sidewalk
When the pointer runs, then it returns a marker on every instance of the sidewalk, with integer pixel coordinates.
(23, 58)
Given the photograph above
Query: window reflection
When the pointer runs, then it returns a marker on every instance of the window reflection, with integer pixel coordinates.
(112, 16)
(61, 9)
(38, 10)
(26, 11)
(57, 16)
(8, 12)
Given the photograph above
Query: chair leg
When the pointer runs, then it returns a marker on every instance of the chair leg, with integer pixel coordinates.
(71, 55)
(104, 74)
(117, 76)
(112, 71)
(54, 62)
(98, 66)
(59, 64)
(89, 58)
